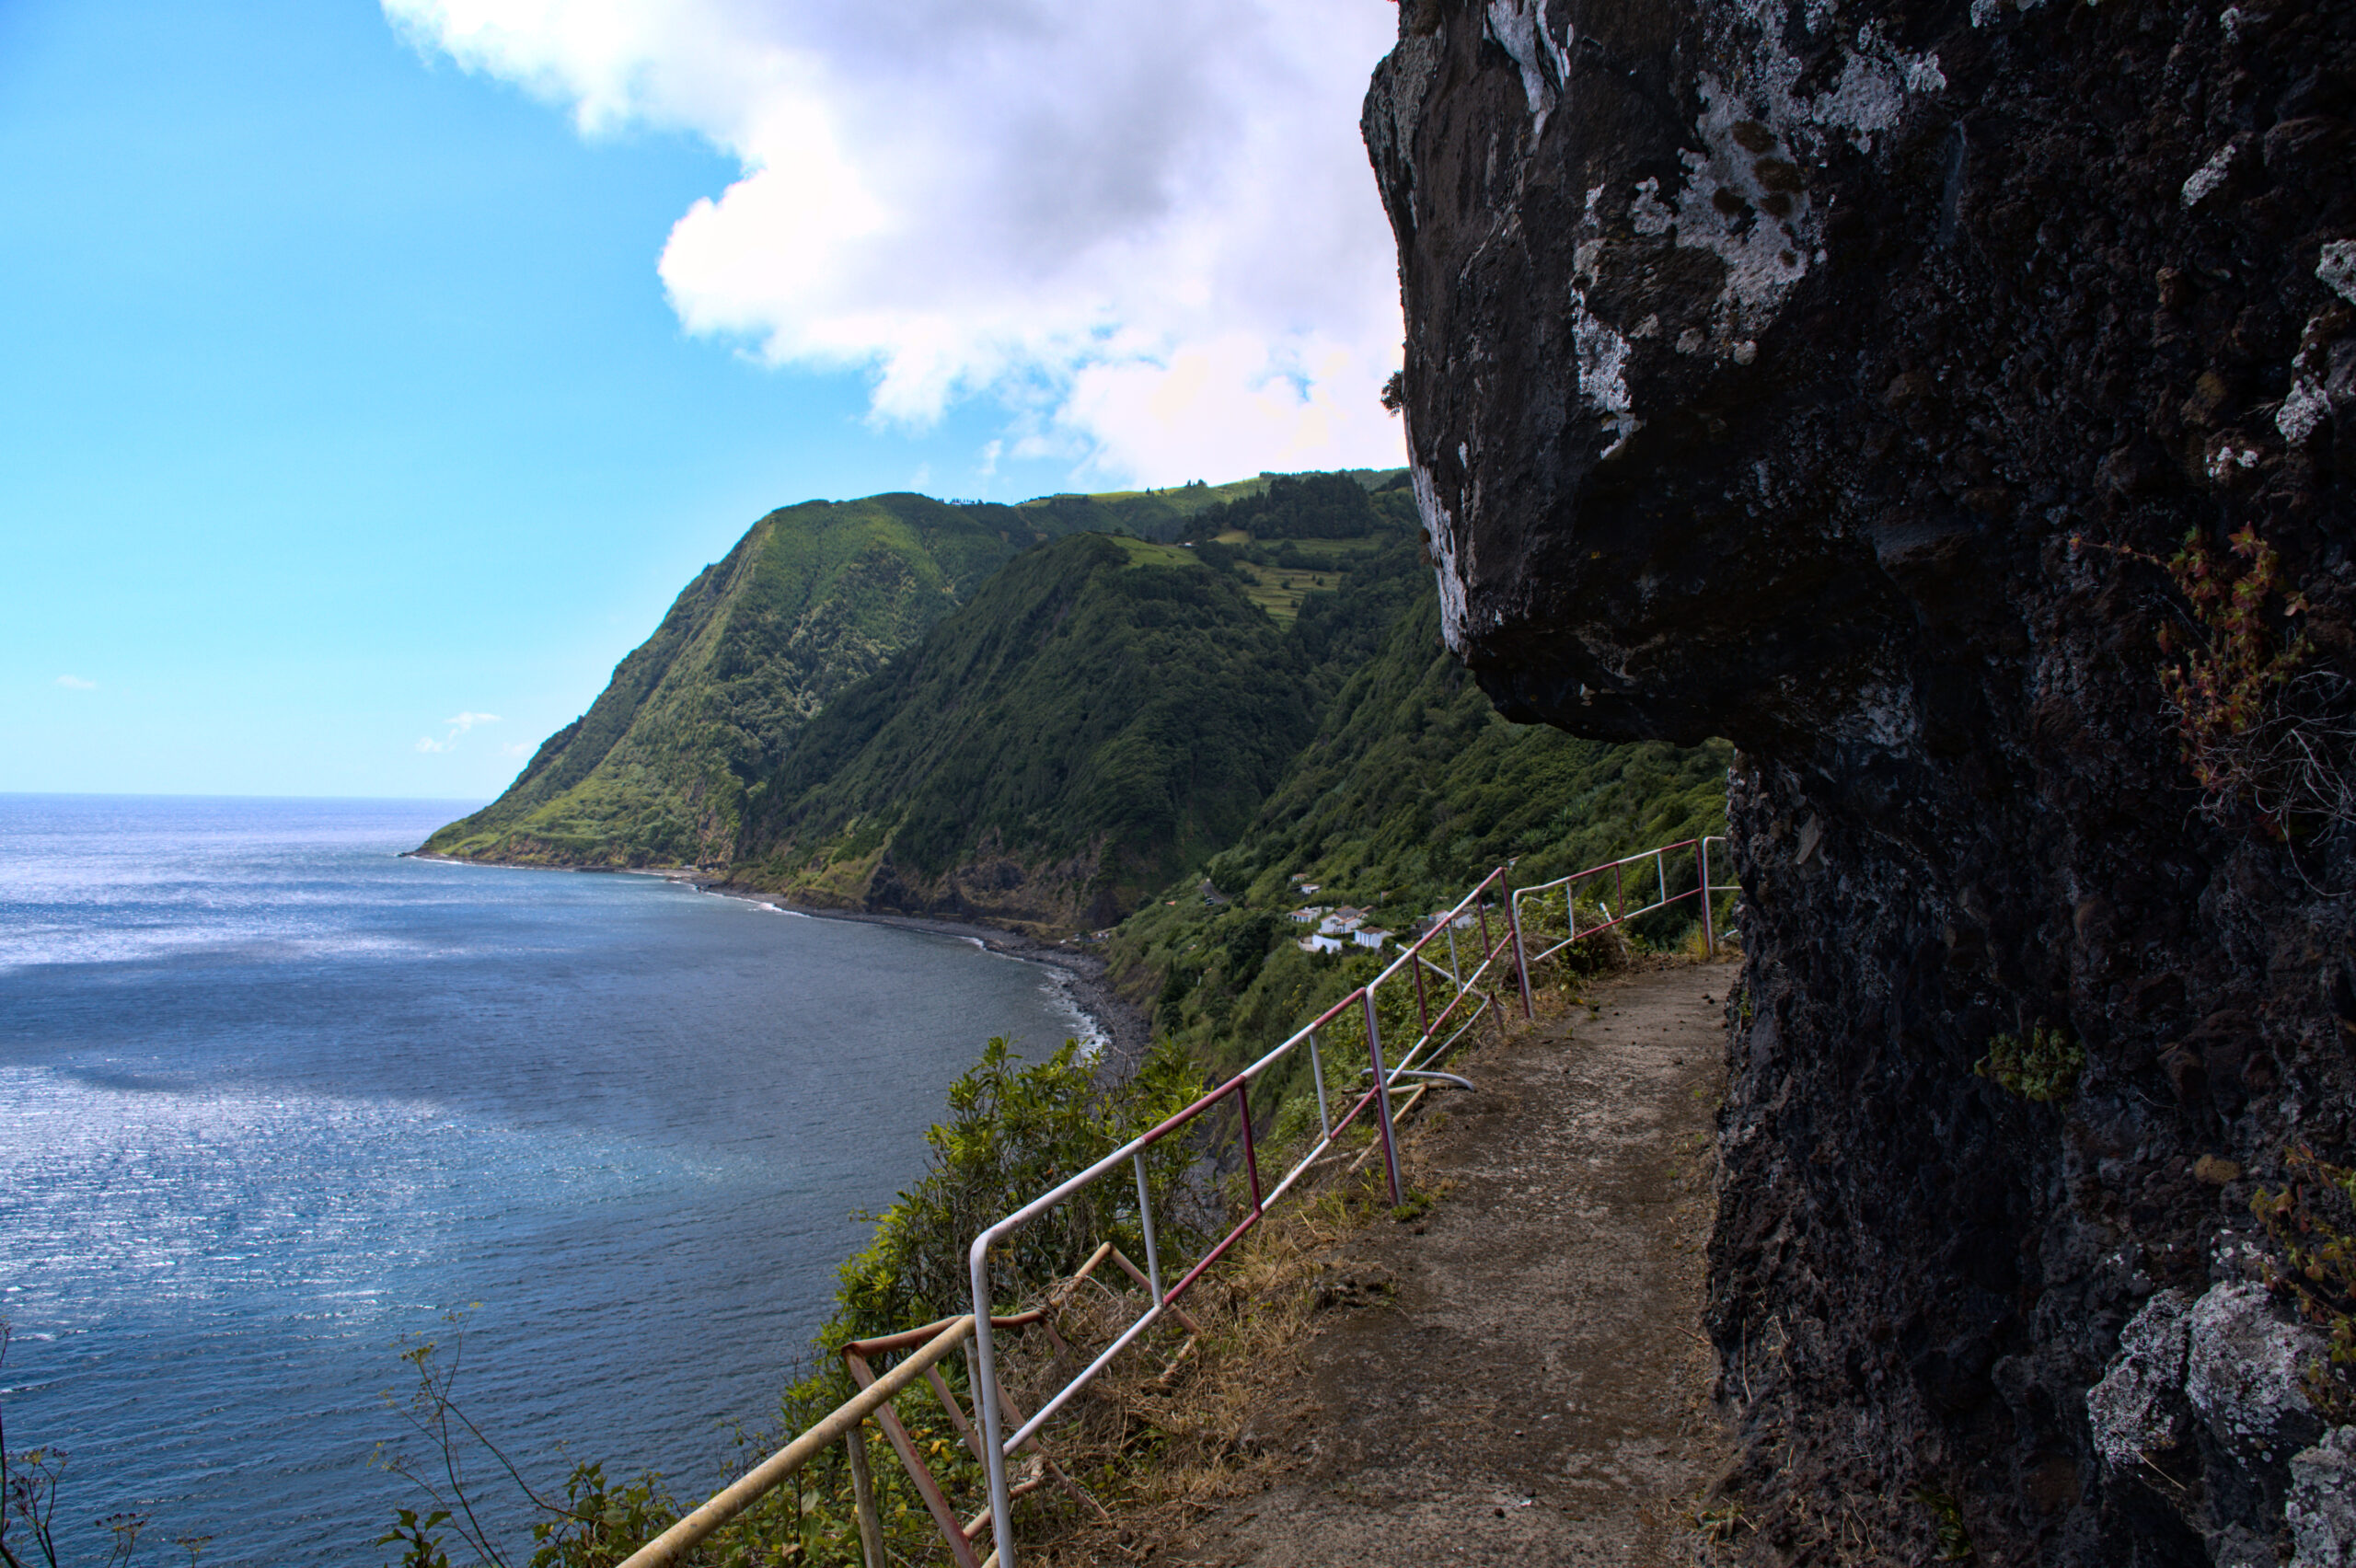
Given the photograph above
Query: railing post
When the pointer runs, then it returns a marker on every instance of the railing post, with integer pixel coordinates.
(1489, 950)
(862, 1492)
(985, 1373)
(1251, 1155)
(1423, 1007)
(1145, 1214)
(1709, 926)
(1382, 1094)
(1317, 1076)
(1521, 954)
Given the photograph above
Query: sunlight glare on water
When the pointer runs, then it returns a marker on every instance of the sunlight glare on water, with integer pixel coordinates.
(271, 1098)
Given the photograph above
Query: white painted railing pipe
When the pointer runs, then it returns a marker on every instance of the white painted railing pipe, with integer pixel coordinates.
(750, 1489)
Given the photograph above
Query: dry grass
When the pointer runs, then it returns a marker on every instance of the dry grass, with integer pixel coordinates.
(1165, 1435)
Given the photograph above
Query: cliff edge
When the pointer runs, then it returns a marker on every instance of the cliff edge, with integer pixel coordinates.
(1843, 379)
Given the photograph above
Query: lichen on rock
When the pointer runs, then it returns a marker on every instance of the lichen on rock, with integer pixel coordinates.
(2242, 1372)
(2138, 1407)
(2322, 1508)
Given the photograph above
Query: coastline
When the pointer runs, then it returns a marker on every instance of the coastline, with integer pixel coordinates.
(1127, 1029)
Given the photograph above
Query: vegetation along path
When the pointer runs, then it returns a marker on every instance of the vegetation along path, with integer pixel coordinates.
(1518, 1374)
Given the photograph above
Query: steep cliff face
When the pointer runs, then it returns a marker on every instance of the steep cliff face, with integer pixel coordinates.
(1764, 361)
(1101, 716)
(813, 598)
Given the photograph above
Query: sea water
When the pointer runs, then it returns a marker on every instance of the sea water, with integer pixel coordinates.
(274, 1101)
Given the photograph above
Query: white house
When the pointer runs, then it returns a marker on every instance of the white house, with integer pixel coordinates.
(1320, 944)
(1368, 937)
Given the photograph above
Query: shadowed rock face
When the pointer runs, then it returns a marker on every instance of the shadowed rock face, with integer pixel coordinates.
(1763, 361)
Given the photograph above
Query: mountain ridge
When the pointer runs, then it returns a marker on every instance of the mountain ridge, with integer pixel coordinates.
(812, 599)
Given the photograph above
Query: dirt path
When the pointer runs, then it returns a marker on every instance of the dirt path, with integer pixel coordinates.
(1519, 1376)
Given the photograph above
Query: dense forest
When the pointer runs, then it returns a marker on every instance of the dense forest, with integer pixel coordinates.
(1101, 717)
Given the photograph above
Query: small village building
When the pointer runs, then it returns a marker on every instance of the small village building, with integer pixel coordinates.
(1316, 944)
(1368, 937)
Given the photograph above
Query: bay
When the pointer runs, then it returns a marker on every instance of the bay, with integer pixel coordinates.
(274, 1101)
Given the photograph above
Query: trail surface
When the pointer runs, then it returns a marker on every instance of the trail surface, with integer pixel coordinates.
(1520, 1376)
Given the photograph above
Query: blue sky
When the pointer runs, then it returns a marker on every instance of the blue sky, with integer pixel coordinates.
(353, 381)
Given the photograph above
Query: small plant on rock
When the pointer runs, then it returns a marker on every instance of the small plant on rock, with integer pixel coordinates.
(2312, 1220)
(2259, 727)
(2230, 669)
(2043, 1068)
(1947, 1524)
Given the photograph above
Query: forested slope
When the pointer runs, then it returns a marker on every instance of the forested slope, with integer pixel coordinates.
(1101, 717)
(1412, 789)
(977, 712)
(812, 599)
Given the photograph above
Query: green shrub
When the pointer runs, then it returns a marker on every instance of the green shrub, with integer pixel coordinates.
(1012, 1133)
(2043, 1068)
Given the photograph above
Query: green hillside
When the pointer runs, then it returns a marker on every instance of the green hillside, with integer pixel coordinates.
(1103, 716)
(813, 598)
(1412, 789)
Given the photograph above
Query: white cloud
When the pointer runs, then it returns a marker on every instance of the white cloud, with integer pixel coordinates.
(459, 724)
(76, 682)
(1150, 224)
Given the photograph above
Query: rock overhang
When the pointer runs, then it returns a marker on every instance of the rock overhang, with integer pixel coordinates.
(1662, 182)
(1981, 308)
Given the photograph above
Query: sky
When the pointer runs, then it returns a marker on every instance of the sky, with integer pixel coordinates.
(373, 376)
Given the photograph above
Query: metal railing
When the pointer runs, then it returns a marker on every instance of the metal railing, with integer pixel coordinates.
(1616, 911)
(1450, 998)
(839, 1426)
(1439, 1030)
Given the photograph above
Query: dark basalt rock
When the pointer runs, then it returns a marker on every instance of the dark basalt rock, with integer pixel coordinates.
(1764, 360)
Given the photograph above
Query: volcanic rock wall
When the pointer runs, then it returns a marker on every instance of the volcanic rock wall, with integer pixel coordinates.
(1764, 362)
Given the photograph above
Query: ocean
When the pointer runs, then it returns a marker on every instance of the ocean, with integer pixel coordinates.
(275, 1102)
